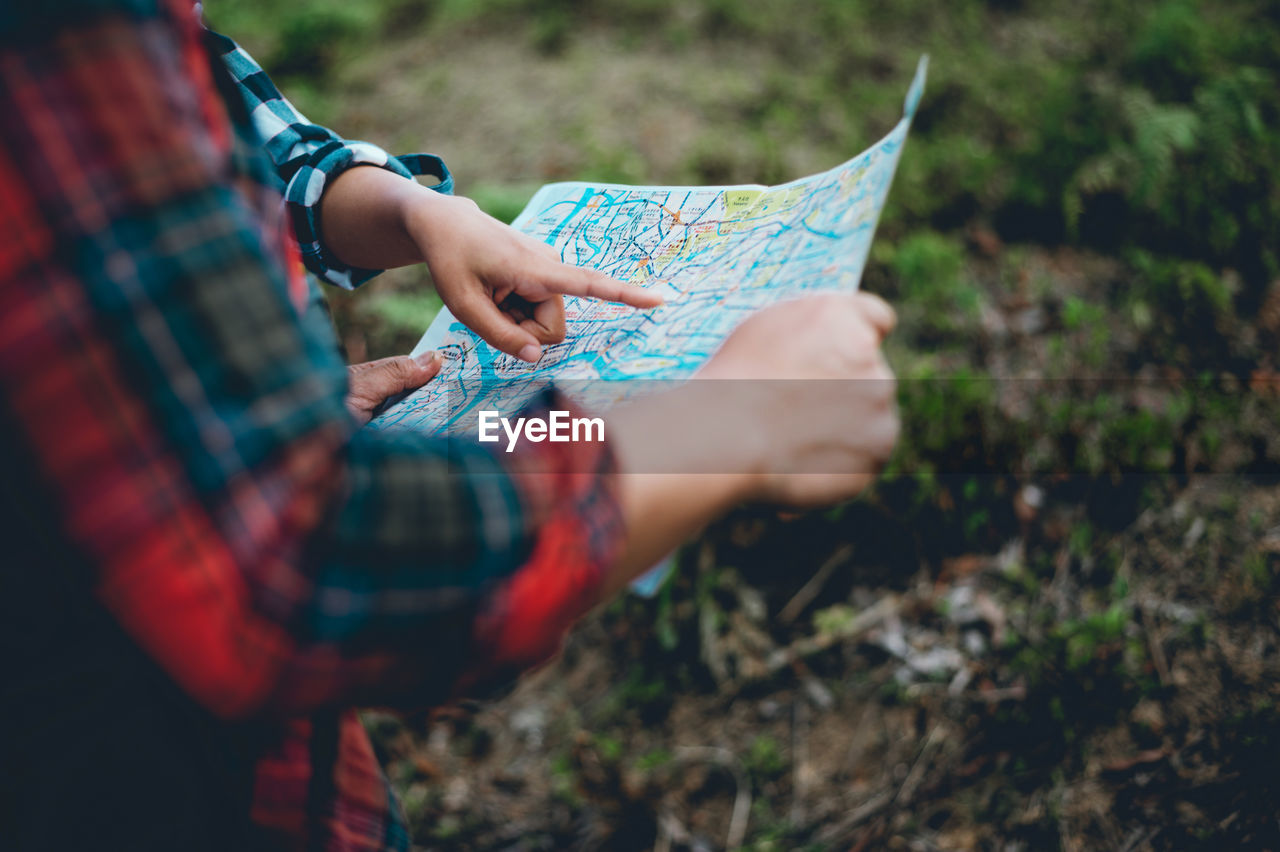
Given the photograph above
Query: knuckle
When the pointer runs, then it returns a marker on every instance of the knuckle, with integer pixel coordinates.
(400, 367)
(547, 334)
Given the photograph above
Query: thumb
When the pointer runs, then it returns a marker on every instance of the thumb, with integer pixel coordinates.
(373, 382)
(877, 312)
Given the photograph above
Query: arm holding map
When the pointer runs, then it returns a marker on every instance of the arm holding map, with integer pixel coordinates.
(379, 219)
(721, 257)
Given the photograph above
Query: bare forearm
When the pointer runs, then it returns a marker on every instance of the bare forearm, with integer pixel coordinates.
(686, 429)
(363, 217)
(662, 511)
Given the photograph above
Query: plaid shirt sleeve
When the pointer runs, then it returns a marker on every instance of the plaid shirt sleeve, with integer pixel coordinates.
(190, 424)
(307, 156)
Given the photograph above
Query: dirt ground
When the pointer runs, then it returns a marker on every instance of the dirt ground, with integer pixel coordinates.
(905, 717)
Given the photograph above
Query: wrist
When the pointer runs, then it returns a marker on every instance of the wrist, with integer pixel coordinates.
(682, 464)
(705, 430)
(425, 214)
(365, 217)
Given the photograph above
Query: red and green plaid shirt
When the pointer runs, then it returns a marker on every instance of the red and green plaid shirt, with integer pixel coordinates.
(175, 440)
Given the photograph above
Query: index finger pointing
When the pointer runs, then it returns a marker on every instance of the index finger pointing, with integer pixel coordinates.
(590, 284)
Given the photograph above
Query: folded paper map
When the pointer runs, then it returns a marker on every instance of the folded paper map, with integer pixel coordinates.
(716, 254)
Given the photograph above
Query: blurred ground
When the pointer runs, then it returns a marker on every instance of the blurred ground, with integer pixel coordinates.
(1054, 624)
(960, 705)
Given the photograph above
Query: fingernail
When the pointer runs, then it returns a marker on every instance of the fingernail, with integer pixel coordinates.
(531, 353)
(428, 358)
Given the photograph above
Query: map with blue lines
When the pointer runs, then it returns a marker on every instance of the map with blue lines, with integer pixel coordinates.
(716, 254)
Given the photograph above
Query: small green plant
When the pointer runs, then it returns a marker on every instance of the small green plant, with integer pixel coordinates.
(931, 274)
(564, 780)
(1086, 638)
(653, 759)
(609, 747)
(763, 760)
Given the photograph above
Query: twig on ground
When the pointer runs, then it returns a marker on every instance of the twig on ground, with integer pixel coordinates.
(670, 829)
(1017, 692)
(864, 842)
(1138, 837)
(802, 772)
(861, 734)
(1155, 643)
(864, 812)
(861, 623)
(838, 833)
(741, 802)
(810, 590)
(912, 782)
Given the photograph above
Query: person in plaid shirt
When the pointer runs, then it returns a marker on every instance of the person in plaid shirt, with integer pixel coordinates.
(207, 562)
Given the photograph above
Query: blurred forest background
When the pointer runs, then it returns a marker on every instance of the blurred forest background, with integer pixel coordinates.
(1055, 623)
